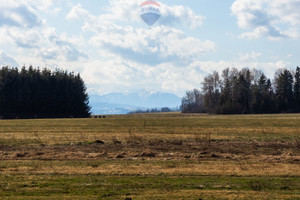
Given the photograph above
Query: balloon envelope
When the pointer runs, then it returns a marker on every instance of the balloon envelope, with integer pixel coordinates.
(150, 12)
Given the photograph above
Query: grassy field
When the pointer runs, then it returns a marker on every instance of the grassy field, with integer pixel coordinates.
(152, 156)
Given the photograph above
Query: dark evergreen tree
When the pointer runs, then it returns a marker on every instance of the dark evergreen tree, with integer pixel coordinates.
(262, 96)
(297, 90)
(284, 92)
(244, 92)
(32, 93)
(268, 98)
(226, 93)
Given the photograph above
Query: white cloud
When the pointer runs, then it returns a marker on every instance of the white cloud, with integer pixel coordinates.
(162, 58)
(78, 12)
(128, 76)
(158, 45)
(21, 25)
(25, 38)
(274, 19)
(114, 53)
(161, 44)
(180, 15)
(5, 38)
(120, 11)
(60, 47)
(18, 15)
(43, 42)
(131, 76)
(252, 56)
(42, 4)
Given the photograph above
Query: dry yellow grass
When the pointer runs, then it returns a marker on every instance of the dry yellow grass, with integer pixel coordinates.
(152, 157)
(140, 168)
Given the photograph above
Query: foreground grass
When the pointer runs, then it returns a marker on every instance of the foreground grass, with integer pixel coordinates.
(146, 187)
(154, 156)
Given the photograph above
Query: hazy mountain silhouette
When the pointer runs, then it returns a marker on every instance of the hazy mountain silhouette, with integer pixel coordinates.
(122, 103)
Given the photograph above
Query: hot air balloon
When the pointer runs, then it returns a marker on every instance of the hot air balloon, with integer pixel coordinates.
(150, 12)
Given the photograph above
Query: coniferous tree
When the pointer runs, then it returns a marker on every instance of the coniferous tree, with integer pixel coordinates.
(284, 91)
(244, 91)
(32, 93)
(262, 96)
(226, 93)
(297, 89)
(268, 98)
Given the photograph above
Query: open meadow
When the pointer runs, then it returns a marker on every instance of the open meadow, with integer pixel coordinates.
(151, 156)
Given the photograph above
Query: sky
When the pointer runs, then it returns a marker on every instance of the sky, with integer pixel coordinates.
(114, 51)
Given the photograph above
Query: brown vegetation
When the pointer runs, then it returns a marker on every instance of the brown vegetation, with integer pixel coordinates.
(203, 148)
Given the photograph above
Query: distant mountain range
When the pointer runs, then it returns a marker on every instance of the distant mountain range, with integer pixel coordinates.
(122, 103)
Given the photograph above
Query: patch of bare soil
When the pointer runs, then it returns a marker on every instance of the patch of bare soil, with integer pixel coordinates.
(141, 149)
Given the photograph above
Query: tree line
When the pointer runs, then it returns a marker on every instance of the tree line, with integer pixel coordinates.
(245, 92)
(154, 110)
(35, 93)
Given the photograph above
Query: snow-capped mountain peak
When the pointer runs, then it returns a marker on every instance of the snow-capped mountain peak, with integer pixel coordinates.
(127, 102)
